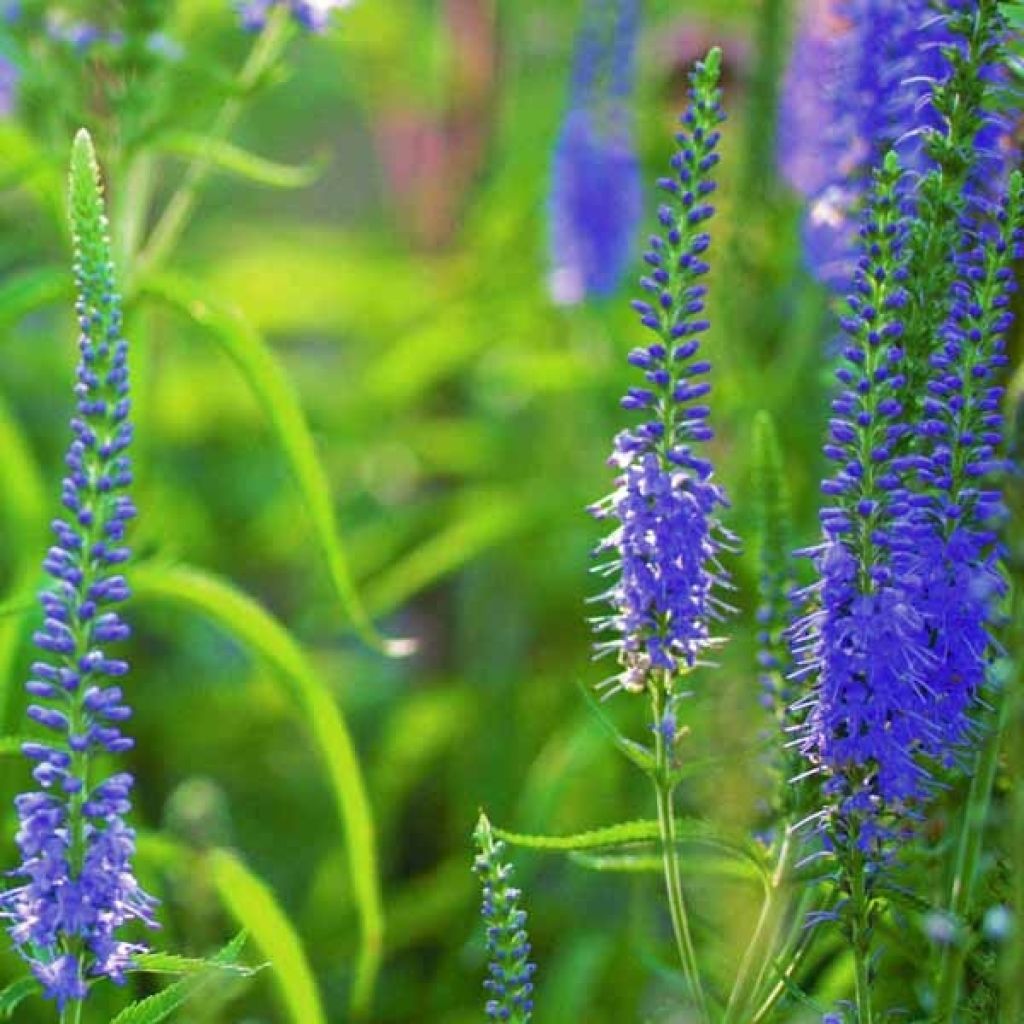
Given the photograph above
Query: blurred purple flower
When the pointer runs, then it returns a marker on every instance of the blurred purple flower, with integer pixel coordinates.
(595, 204)
(313, 15)
(9, 76)
(859, 82)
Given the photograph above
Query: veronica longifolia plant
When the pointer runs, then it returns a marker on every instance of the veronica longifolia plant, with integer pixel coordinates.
(78, 889)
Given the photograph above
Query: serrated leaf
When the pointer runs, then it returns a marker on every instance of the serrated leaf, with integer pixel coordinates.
(227, 157)
(631, 833)
(254, 905)
(159, 1007)
(15, 994)
(611, 835)
(171, 963)
(248, 350)
(259, 632)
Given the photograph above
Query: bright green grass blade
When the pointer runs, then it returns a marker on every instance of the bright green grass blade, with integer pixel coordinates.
(240, 616)
(24, 293)
(227, 157)
(280, 403)
(15, 994)
(252, 904)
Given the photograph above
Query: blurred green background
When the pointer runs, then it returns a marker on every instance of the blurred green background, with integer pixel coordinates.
(463, 421)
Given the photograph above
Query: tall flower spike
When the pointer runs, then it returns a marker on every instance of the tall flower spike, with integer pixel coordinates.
(510, 972)
(77, 884)
(961, 436)
(865, 643)
(666, 540)
(595, 203)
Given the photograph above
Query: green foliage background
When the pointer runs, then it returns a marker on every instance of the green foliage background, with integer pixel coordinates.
(463, 423)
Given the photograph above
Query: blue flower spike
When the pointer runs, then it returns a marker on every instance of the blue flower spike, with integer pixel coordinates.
(77, 888)
(510, 970)
(663, 552)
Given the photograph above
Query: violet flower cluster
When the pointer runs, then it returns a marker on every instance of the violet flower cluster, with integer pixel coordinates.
(861, 80)
(76, 887)
(595, 203)
(900, 639)
(510, 971)
(314, 15)
(662, 553)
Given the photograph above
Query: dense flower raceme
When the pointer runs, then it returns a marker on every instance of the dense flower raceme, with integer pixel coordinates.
(866, 641)
(595, 203)
(866, 70)
(900, 642)
(510, 971)
(665, 544)
(960, 437)
(314, 15)
(77, 888)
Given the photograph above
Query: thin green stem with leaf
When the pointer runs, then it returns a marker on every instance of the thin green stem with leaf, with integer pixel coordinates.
(664, 789)
(265, 52)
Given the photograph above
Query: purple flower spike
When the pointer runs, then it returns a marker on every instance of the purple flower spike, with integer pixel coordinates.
(595, 203)
(663, 550)
(76, 885)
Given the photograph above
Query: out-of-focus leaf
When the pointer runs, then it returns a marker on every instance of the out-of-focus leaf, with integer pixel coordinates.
(159, 1007)
(27, 166)
(15, 994)
(484, 519)
(254, 906)
(280, 403)
(21, 294)
(259, 632)
(227, 157)
(652, 863)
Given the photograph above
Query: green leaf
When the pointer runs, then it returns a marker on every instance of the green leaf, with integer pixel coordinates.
(280, 403)
(612, 835)
(10, 746)
(171, 963)
(483, 520)
(640, 755)
(629, 833)
(652, 863)
(252, 903)
(241, 617)
(227, 157)
(24, 293)
(159, 1007)
(14, 994)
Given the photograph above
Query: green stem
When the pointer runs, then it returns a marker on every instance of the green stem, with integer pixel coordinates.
(764, 939)
(861, 941)
(266, 50)
(673, 880)
(972, 835)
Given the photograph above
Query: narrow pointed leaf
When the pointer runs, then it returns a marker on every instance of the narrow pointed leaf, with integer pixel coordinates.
(159, 1007)
(280, 403)
(252, 904)
(15, 994)
(260, 633)
(227, 157)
